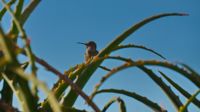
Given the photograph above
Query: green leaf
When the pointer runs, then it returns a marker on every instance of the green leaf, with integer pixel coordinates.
(193, 72)
(115, 99)
(3, 11)
(140, 64)
(17, 13)
(28, 10)
(106, 77)
(51, 98)
(7, 56)
(132, 29)
(18, 92)
(154, 106)
(85, 76)
(19, 28)
(180, 89)
(130, 63)
(172, 96)
(7, 93)
(184, 108)
(71, 109)
(138, 46)
(195, 79)
(60, 86)
(122, 105)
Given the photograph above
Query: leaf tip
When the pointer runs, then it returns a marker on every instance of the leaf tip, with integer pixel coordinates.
(184, 14)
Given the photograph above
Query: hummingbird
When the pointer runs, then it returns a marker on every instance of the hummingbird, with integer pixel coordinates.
(91, 50)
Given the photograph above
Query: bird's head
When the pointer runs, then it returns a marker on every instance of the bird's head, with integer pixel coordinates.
(90, 44)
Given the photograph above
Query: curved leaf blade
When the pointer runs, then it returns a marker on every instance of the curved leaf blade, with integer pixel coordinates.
(180, 89)
(28, 10)
(113, 100)
(168, 91)
(140, 47)
(195, 79)
(136, 96)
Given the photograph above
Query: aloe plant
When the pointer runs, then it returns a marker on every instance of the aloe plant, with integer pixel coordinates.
(25, 86)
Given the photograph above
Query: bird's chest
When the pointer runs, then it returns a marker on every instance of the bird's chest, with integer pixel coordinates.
(90, 51)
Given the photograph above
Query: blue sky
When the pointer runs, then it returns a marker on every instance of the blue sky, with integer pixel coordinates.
(56, 26)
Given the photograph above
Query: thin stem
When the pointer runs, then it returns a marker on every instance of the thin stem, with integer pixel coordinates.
(68, 81)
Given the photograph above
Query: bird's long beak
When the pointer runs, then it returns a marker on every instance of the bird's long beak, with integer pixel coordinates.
(81, 43)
